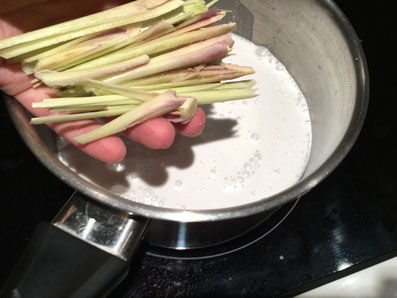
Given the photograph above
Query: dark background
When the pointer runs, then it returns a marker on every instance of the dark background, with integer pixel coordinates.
(349, 219)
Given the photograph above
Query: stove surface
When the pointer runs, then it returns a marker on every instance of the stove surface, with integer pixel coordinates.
(346, 224)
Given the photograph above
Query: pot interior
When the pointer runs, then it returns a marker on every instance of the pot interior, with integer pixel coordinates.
(314, 41)
(319, 48)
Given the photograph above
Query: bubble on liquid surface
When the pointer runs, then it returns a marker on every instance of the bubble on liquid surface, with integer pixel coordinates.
(255, 136)
(147, 193)
(247, 167)
(178, 183)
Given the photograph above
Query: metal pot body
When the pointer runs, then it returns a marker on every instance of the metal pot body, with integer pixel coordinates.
(316, 43)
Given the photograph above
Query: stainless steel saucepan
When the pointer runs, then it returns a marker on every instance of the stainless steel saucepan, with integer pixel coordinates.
(86, 250)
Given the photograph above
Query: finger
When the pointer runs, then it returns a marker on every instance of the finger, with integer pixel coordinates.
(12, 79)
(15, 83)
(157, 133)
(109, 149)
(195, 127)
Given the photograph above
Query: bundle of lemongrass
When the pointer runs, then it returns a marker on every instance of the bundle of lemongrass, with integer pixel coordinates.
(141, 60)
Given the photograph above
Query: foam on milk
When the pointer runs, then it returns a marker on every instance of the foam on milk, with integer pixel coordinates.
(249, 149)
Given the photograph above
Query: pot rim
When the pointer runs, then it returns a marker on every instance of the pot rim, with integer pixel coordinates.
(47, 158)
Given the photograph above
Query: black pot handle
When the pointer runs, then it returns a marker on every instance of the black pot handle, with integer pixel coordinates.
(85, 252)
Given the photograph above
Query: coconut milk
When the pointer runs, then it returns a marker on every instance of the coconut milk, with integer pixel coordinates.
(249, 150)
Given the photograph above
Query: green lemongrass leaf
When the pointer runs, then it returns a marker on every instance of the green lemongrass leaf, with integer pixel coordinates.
(55, 39)
(162, 104)
(66, 78)
(188, 56)
(81, 116)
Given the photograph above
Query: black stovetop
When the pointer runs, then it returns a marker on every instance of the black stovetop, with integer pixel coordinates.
(345, 224)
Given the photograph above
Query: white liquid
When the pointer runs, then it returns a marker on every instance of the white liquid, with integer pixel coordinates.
(249, 150)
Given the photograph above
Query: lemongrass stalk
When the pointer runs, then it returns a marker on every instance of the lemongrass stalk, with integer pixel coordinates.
(188, 56)
(203, 97)
(162, 104)
(158, 29)
(89, 49)
(212, 86)
(185, 112)
(175, 79)
(214, 96)
(52, 78)
(205, 20)
(20, 58)
(193, 88)
(186, 11)
(236, 85)
(225, 40)
(194, 6)
(129, 92)
(204, 16)
(58, 48)
(55, 39)
(74, 117)
(127, 101)
(29, 64)
(222, 71)
(120, 107)
(102, 17)
(133, 31)
(149, 4)
(182, 38)
(162, 45)
(80, 109)
(180, 18)
(79, 101)
(212, 3)
(92, 61)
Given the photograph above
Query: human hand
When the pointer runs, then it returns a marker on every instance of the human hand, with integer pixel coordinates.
(19, 16)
